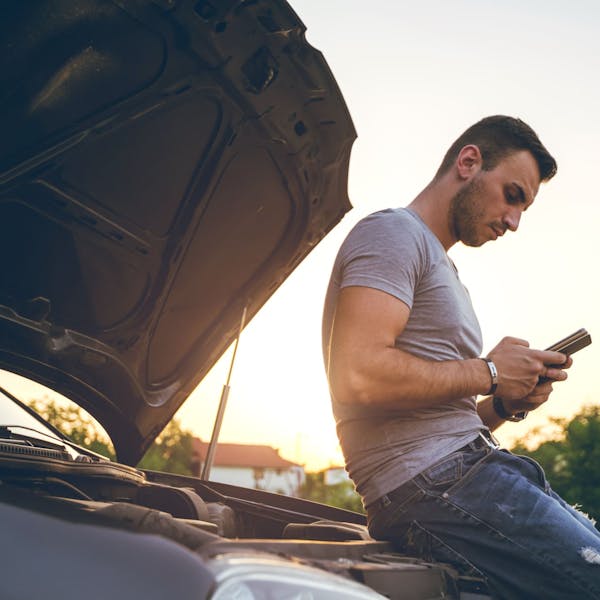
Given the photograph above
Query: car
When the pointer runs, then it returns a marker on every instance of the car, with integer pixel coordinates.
(164, 166)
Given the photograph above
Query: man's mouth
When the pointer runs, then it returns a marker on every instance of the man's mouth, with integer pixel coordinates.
(498, 231)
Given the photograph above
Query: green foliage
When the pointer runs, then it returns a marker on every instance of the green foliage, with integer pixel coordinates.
(340, 494)
(572, 460)
(171, 452)
(77, 425)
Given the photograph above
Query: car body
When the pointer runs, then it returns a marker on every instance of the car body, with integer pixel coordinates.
(164, 166)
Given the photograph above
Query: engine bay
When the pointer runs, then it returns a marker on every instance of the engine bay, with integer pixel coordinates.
(219, 520)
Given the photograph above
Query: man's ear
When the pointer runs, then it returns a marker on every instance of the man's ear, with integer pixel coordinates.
(468, 161)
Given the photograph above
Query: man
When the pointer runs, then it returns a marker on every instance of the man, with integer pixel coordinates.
(402, 349)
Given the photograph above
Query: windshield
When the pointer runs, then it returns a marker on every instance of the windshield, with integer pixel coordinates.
(16, 423)
(19, 396)
(12, 414)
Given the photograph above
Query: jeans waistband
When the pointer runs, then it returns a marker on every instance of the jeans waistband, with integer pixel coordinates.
(484, 439)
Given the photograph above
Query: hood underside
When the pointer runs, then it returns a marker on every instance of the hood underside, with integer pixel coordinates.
(163, 165)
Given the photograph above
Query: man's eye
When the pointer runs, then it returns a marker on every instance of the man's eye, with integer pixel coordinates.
(514, 196)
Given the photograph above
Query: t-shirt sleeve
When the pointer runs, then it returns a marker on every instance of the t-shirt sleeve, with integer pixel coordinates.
(385, 253)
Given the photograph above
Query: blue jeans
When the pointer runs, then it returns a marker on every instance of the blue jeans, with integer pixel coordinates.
(492, 514)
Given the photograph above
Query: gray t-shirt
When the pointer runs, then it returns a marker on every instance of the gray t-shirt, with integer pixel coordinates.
(395, 252)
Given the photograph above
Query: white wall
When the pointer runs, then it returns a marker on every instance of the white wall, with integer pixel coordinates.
(273, 480)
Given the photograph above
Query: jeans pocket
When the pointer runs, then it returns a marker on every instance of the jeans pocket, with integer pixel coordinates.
(387, 521)
(539, 474)
(445, 472)
(452, 473)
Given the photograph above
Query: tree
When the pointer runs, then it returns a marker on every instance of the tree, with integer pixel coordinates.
(171, 452)
(73, 422)
(572, 460)
(340, 494)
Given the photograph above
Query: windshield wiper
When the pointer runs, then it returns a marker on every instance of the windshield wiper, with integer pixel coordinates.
(18, 444)
(7, 434)
(22, 439)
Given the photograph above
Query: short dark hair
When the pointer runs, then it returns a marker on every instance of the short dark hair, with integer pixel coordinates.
(497, 137)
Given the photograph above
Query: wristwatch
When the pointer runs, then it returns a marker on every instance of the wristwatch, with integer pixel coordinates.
(501, 411)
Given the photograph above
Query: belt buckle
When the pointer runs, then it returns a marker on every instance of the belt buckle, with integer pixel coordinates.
(489, 441)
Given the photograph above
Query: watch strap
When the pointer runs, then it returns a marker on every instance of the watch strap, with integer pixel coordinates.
(501, 411)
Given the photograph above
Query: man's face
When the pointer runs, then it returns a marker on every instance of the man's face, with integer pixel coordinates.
(492, 201)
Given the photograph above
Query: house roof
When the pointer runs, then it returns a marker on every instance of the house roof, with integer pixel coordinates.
(243, 455)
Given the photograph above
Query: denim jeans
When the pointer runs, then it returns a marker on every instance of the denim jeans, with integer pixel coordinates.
(492, 514)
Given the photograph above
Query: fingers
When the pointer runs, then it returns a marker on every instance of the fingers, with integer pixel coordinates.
(555, 368)
(538, 396)
(549, 357)
(542, 389)
(555, 374)
(521, 368)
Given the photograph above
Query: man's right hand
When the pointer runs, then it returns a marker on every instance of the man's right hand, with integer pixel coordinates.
(520, 367)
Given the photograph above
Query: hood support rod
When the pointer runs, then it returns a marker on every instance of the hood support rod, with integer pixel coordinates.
(212, 447)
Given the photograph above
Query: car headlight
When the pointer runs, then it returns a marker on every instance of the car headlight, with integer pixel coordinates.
(265, 578)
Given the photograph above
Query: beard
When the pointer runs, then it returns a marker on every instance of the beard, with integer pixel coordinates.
(467, 213)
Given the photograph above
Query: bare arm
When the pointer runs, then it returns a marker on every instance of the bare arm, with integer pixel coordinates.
(365, 366)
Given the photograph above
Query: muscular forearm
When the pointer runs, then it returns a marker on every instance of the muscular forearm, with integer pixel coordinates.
(487, 413)
(366, 367)
(397, 379)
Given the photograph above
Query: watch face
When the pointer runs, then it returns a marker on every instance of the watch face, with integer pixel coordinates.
(503, 414)
(519, 416)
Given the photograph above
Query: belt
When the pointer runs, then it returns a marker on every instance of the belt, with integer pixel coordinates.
(484, 439)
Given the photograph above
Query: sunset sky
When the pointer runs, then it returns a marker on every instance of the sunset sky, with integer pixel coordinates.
(414, 76)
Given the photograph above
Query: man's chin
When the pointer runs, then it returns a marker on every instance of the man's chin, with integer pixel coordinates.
(475, 242)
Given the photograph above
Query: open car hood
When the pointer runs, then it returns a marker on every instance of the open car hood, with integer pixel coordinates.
(162, 166)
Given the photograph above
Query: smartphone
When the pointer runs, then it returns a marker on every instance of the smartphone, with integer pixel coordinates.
(572, 343)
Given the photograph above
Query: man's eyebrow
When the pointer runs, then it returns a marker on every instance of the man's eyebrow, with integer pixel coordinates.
(520, 192)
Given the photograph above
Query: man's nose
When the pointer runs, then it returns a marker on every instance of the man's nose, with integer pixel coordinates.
(512, 219)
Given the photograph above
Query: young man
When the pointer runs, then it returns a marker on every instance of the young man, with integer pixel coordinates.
(402, 349)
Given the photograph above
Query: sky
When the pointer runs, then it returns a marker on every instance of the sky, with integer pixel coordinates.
(414, 76)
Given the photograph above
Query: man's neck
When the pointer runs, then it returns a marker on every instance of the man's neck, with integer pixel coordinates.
(433, 206)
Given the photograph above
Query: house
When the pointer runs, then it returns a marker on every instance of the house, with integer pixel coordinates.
(253, 466)
(334, 475)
